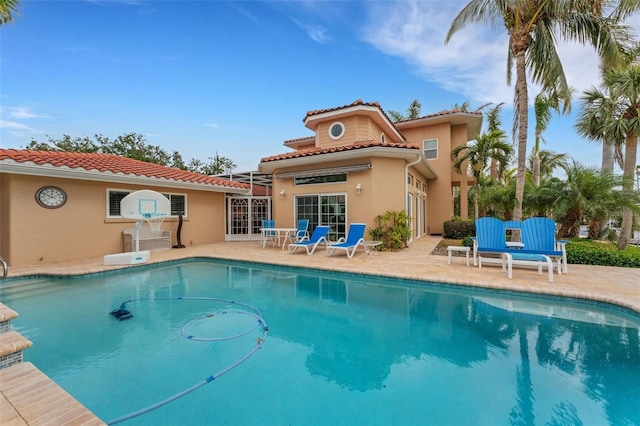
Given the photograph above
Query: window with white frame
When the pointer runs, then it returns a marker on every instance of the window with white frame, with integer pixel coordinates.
(430, 148)
(114, 196)
(336, 130)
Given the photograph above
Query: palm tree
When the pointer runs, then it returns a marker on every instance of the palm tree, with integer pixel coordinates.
(8, 8)
(619, 118)
(478, 154)
(592, 121)
(413, 112)
(494, 122)
(540, 199)
(548, 162)
(497, 199)
(533, 27)
(543, 105)
(590, 196)
(623, 9)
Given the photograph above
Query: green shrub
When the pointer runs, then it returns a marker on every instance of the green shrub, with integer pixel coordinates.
(393, 230)
(458, 228)
(588, 252)
(467, 242)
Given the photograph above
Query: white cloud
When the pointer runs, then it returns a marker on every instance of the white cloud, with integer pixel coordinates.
(474, 61)
(212, 125)
(20, 112)
(18, 129)
(317, 33)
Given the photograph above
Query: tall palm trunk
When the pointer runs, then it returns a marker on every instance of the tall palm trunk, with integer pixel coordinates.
(568, 224)
(608, 150)
(523, 125)
(630, 158)
(536, 168)
(608, 155)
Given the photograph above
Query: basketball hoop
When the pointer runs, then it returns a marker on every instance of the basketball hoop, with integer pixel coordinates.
(154, 220)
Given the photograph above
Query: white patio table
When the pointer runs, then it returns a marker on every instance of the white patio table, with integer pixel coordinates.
(283, 233)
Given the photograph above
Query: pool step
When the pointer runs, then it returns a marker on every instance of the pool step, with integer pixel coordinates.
(29, 397)
(12, 343)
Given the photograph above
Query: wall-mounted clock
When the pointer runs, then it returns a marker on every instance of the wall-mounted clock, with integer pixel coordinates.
(51, 197)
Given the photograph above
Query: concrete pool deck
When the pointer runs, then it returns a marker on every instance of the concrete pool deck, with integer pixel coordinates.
(615, 285)
(620, 286)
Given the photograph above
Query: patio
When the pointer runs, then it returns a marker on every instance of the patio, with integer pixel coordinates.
(609, 284)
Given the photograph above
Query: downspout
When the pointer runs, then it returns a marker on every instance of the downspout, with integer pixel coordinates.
(406, 187)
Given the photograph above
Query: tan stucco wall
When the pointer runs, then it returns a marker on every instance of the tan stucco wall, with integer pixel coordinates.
(382, 190)
(4, 216)
(80, 229)
(439, 192)
(357, 128)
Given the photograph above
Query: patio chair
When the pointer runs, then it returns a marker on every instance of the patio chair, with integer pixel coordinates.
(311, 243)
(490, 237)
(301, 233)
(355, 237)
(539, 236)
(268, 235)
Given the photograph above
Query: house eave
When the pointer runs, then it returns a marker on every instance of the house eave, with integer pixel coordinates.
(409, 155)
(64, 172)
(472, 120)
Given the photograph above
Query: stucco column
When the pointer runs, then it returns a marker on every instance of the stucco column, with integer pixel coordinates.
(464, 199)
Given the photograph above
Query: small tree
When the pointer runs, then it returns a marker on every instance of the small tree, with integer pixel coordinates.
(393, 230)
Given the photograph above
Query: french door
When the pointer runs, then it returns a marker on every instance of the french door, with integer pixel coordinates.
(244, 217)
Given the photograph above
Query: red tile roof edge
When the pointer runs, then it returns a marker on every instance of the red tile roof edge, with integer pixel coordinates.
(320, 151)
(113, 164)
(302, 139)
(354, 103)
(441, 113)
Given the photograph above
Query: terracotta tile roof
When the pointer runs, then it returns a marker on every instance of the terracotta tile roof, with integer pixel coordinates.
(354, 146)
(441, 113)
(113, 164)
(355, 103)
(303, 139)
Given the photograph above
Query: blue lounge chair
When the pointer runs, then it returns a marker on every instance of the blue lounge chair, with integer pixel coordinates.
(319, 236)
(355, 237)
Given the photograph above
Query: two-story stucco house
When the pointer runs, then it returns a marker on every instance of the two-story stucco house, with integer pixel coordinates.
(356, 166)
(359, 165)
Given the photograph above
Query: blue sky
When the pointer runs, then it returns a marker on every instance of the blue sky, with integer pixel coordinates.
(237, 77)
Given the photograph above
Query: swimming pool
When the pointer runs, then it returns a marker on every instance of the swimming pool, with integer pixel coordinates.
(342, 349)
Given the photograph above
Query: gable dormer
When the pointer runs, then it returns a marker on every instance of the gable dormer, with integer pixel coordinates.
(349, 124)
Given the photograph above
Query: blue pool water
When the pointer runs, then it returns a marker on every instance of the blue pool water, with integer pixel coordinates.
(341, 349)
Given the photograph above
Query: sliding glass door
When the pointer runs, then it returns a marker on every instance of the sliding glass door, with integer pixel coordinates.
(330, 209)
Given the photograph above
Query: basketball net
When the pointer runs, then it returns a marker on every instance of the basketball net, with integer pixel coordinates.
(154, 220)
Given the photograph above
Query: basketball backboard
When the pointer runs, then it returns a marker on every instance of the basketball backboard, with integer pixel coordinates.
(141, 205)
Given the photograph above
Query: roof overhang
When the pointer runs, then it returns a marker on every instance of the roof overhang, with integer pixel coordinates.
(370, 111)
(64, 172)
(472, 120)
(324, 172)
(251, 178)
(407, 154)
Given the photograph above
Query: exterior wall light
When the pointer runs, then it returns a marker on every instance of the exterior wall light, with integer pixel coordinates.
(282, 193)
(358, 188)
